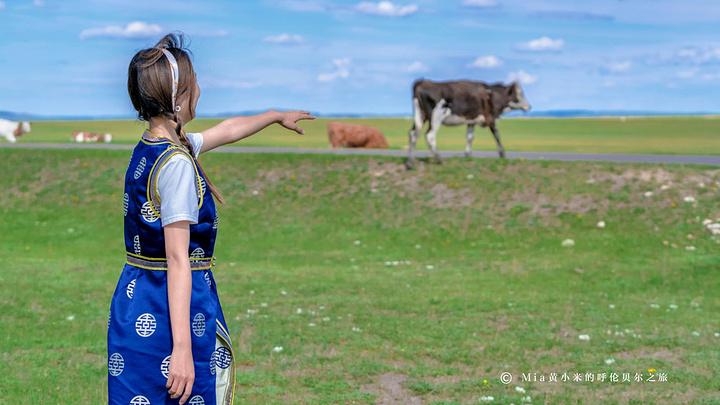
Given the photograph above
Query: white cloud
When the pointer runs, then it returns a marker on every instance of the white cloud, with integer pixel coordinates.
(386, 8)
(486, 62)
(417, 67)
(687, 74)
(136, 29)
(521, 76)
(342, 70)
(480, 3)
(543, 44)
(618, 67)
(285, 39)
(711, 76)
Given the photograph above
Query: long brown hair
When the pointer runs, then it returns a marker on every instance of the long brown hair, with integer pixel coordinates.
(150, 87)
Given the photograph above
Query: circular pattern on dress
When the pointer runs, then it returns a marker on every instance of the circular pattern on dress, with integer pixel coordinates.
(139, 400)
(198, 253)
(148, 213)
(165, 367)
(126, 202)
(140, 168)
(130, 289)
(116, 364)
(197, 400)
(222, 357)
(198, 324)
(145, 325)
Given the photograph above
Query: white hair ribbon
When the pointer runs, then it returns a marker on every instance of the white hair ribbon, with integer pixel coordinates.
(175, 77)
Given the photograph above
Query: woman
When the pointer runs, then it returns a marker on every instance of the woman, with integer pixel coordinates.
(167, 337)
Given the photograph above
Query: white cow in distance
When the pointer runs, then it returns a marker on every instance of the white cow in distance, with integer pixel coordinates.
(12, 130)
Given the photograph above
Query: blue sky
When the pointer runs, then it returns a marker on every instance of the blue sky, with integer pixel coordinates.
(70, 57)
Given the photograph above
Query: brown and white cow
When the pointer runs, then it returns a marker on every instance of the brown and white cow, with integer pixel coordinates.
(12, 130)
(461, 103)
(355, 136)
(79, 136)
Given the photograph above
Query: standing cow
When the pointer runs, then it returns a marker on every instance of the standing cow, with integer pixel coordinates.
(461, 103)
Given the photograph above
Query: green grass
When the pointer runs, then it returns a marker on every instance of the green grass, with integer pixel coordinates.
(648, 135)
(481, 285)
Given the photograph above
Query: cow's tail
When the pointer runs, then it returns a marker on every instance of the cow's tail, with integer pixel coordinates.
(418, 107)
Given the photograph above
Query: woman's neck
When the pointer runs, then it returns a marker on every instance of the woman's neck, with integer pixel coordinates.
(163, 127)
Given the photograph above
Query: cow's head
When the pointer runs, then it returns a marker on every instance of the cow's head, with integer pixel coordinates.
(516, 97)
(22, 128)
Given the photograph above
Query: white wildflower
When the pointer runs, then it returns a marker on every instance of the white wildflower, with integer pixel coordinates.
(283, 292)
(694, 304)
(70, 318)
(321, 307)
(568, 243)
(356, 329)
(584, 337)
(707, 222)
(429, 267)
(689, 247)
(357, 242)
(71, 230)
(252, 292)
(311, 324)
(701, 185)
(717, 334)
(611, 306)
(696, 333)
(326, 319)
(264, 304)
(654, 306)
(648, 194)
(470, 176)
(520, 389)
(526, 399)
(417, 246)
(673, 306)
(255, 192)
(689, 199)
(664, 187)
(487, 398)
(277, 349)
(395, 263)
(609, 361)
(298, 311)
(601, 224)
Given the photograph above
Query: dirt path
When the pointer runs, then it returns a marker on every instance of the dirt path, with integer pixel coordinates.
(594, 157)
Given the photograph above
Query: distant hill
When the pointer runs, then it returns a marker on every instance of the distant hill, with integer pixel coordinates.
(20, 116)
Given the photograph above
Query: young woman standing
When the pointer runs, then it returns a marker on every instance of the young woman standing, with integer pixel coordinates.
(167, 337)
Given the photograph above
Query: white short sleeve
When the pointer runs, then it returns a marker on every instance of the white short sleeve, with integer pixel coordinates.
(196, 140)
(176, 186)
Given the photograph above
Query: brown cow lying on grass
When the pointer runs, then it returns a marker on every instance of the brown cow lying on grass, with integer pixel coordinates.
(91, 137)
(355, 136)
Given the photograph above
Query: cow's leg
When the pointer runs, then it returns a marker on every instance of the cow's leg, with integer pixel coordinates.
(440, 112)
(470, 137)
(496, 134)
(413, 134)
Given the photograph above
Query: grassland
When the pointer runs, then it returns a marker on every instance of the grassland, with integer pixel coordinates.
(648, 135)
(382, 285)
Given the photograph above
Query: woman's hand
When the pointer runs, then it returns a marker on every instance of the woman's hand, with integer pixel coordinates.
(181, 374)
(289, 119)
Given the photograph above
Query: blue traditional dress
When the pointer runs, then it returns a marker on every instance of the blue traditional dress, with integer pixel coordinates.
(139, 334)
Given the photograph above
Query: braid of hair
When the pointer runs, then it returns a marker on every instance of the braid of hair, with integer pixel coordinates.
(180, 131)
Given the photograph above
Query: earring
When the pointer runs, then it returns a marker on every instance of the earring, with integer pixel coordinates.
(177, 108)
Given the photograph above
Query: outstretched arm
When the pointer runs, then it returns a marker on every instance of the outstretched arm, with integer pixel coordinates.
(234, 129)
